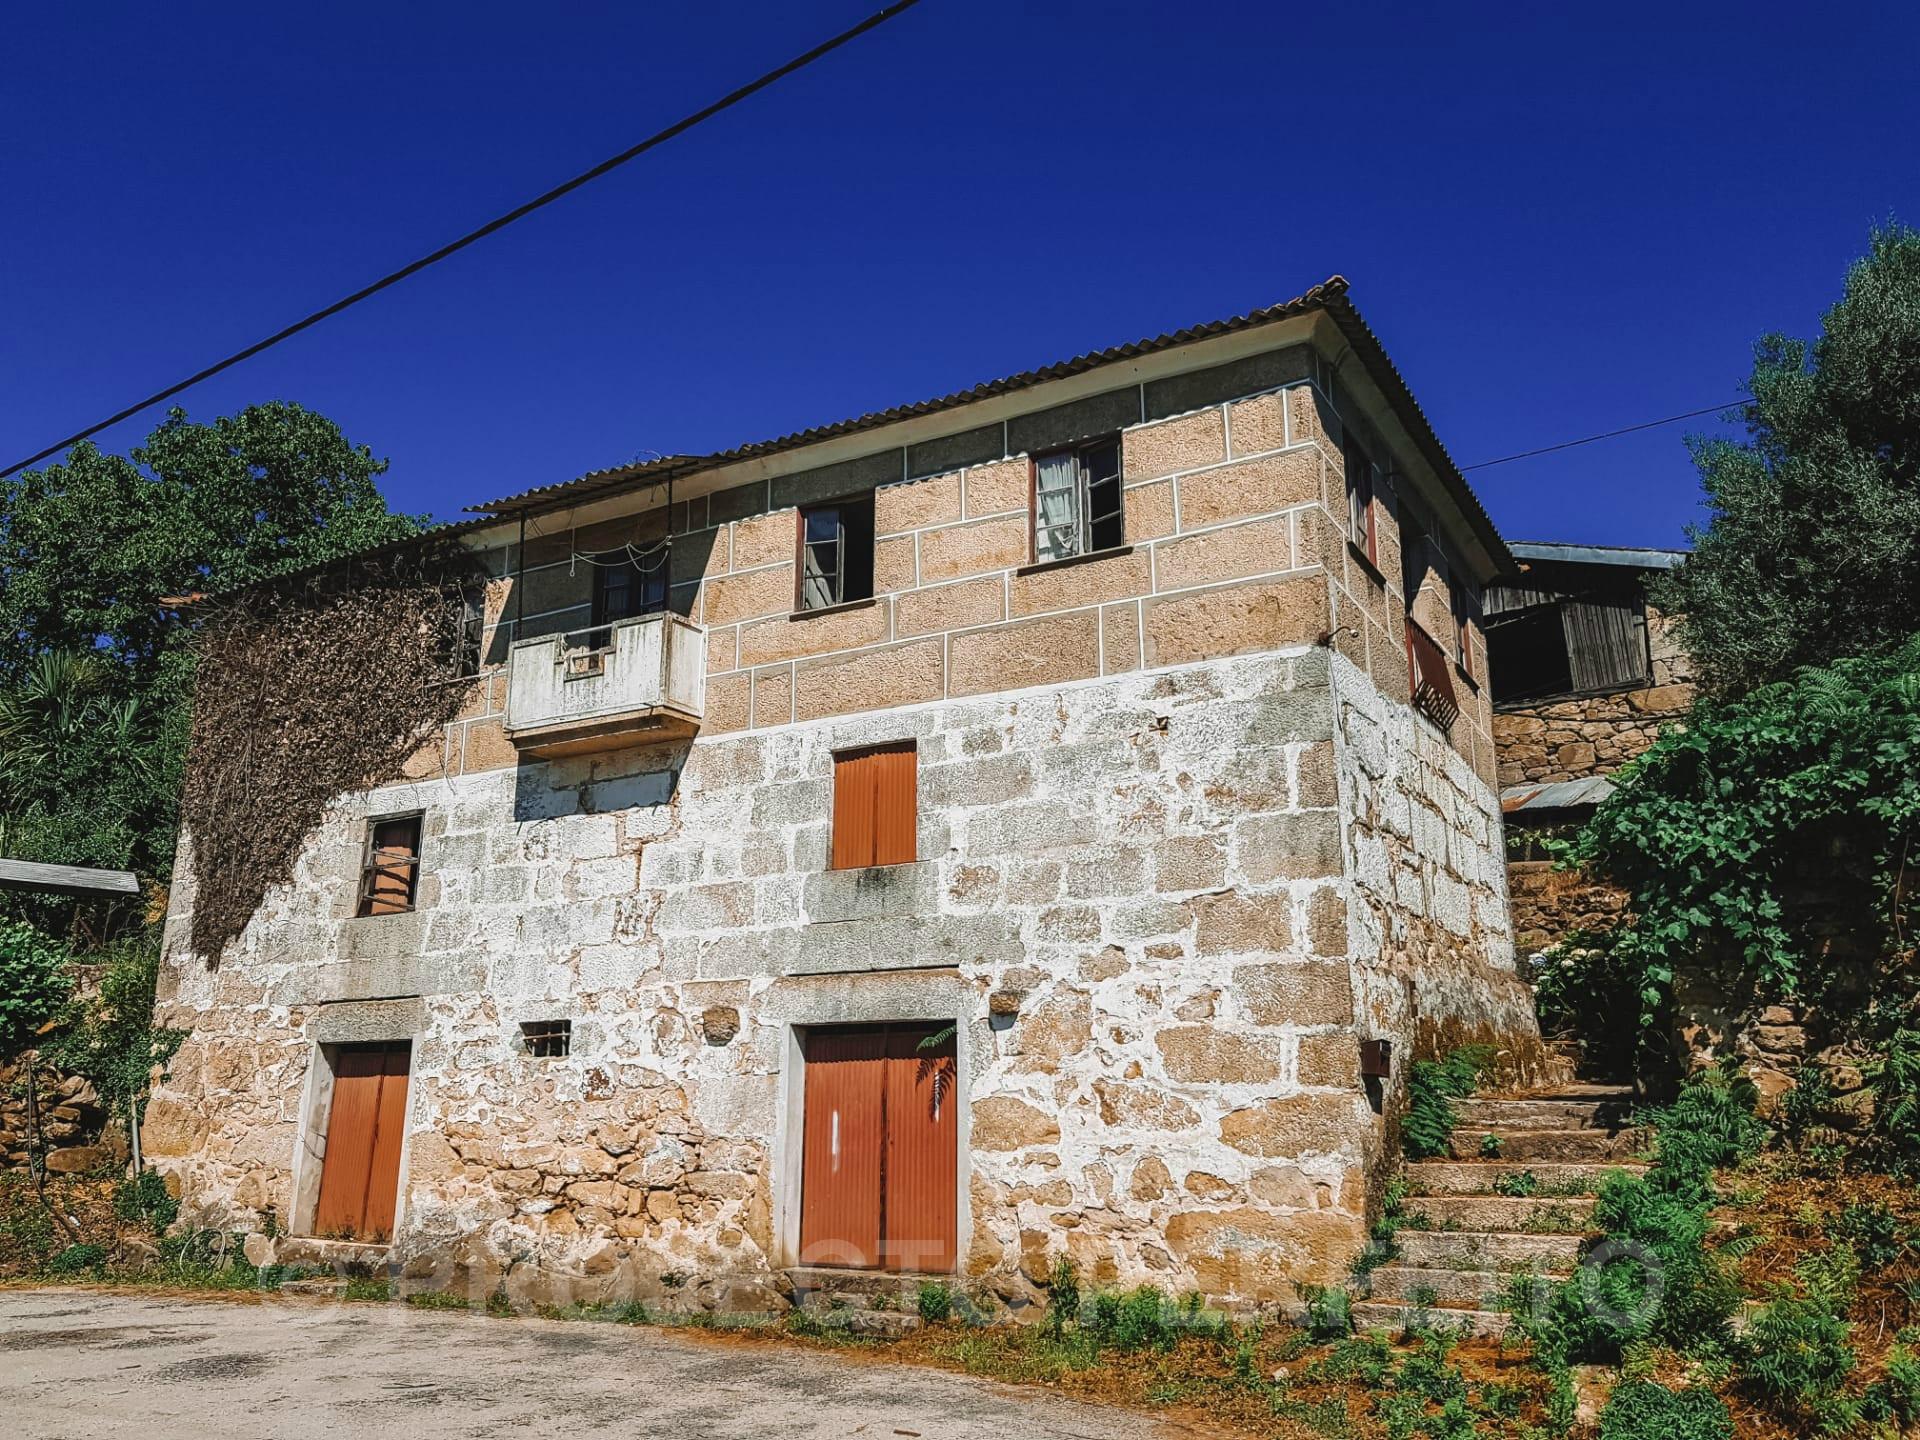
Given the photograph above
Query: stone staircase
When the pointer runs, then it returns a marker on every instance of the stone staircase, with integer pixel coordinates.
(1514, 1196)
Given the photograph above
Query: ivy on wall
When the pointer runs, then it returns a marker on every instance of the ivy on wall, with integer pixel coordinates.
(317, 686)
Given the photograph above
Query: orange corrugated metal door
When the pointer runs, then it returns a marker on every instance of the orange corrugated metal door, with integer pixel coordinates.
(922, 1152)
(853, 817)
(841, 1147)
(896, 774)
(360, 1176)
(875, 806)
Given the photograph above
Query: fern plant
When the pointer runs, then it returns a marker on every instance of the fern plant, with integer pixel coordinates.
(1432, 1087)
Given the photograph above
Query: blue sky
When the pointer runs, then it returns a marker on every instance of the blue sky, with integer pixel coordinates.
(1559, 219)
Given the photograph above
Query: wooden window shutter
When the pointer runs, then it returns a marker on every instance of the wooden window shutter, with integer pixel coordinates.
(875, 806)
(392, 866)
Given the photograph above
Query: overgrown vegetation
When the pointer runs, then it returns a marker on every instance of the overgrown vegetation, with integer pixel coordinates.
(34, 983)
(1432, 1087)
(318, 687)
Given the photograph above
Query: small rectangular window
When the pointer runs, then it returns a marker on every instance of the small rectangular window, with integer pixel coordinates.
(1362, 518)
(876, 806)
(547, 1039)
(625, 588)
(390, 868)
(836, 554)
(1462, 619)
(1077, 504)
(467, 640)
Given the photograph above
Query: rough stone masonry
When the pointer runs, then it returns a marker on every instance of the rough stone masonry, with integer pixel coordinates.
(1163, 901)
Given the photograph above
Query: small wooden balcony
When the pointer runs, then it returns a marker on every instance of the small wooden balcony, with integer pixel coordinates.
(628, 683)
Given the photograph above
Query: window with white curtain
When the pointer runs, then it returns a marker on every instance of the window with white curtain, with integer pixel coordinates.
(1076, 501)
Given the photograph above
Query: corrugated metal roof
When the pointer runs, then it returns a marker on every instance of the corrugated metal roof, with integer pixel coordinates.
(1560, 795)
(1330, 297)
(1634, 557)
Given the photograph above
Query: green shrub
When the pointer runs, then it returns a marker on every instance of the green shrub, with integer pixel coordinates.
(1329, 1312)
(1903, 1383)
(1797, 1352)
(1518, 1184)
(1581, 987)
(34, 983)
(1063, 1296)
(1872, 1232)
(1139, 1319)
(1893, 1074)
(144, 1197)
(1432, 1087)
(77, 1258)
(1643, 1410)
(935, 1302)
(1710, 1125)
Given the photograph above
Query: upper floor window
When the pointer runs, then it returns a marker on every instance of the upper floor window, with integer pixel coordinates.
(624, 589)
(836, 553)
(390, 866)
(1463, 608)
(469, 636)
(1077, 502)
(876, 806)
(1363, 523)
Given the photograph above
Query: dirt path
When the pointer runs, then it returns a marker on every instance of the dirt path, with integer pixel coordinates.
(79, 1365)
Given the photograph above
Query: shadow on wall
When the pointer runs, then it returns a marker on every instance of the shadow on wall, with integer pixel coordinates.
(627, 779)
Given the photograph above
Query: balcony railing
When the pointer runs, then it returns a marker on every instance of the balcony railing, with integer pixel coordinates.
(627, 683)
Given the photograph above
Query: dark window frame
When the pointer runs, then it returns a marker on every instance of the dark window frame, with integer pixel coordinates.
(634, 580)
(850, 581)
(1362, 497)
(1092, 534)
(372, 865)
(547, 1039)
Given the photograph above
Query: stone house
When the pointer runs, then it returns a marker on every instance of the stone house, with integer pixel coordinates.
(1045, 820)
(1586, 673)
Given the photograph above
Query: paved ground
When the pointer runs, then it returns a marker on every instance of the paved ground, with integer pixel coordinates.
(76, 1366)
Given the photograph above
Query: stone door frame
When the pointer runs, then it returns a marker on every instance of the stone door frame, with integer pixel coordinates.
(797, 1004)
(331, 1028)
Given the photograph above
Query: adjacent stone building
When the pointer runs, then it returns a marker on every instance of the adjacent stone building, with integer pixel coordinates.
(1046, 820)
(1586, 674)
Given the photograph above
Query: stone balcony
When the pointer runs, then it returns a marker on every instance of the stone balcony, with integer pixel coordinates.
(629, 683)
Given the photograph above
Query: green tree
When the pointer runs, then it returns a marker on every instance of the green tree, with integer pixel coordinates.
(1812, 551)
(34, 983)
(99, 558)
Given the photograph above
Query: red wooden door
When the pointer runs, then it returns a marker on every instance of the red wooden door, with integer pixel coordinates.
(360, 1172)
(879, 1152)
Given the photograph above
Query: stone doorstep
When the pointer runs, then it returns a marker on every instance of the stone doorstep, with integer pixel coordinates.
(1384, 1315)
(1477, 1177)
(1465, 1143)
(343, 1256)
(1455, 1289)
(1485, 1250)
(1530, 1215)
(820, 1287)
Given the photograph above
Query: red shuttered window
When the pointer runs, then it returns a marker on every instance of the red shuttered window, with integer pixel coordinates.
(390, 868)
(875, 806)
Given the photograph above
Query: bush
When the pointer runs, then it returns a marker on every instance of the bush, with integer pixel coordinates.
(34, 983)
(1893, 1074)
(935, 1302)
(1798, 1356)
(1581, 987)
(1872, 1232)
(77, 1258)
(1329, 1312)
(1432, 1087)
(1140, 1319)
(1063, 1297)
(144, 1197)
(1643, 1410)
(1710, 1125)
(1903, 1383)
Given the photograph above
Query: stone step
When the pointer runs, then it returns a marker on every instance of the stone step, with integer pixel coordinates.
(1455, 1289)
(1478, 1177)
(1466, 1144)
(1544, 1114)
(1384, 1315)
(1530, 1215)
(823, 1288)
(1486, 1250)
(343, 1257)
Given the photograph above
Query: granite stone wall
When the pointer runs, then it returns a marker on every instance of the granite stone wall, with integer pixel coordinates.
(1162, 907)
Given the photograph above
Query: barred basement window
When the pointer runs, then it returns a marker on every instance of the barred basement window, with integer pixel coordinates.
(1076, 501)
(547, 1039)
(390, 866)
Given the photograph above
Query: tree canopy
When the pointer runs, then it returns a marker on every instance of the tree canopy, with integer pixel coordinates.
(100, 558)
(1812, 551)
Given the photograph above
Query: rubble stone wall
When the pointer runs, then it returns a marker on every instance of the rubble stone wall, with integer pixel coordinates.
(1162, 907)
(1596, 734)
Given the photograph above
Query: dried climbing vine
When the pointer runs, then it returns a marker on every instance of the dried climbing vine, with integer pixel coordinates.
(309, 689)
